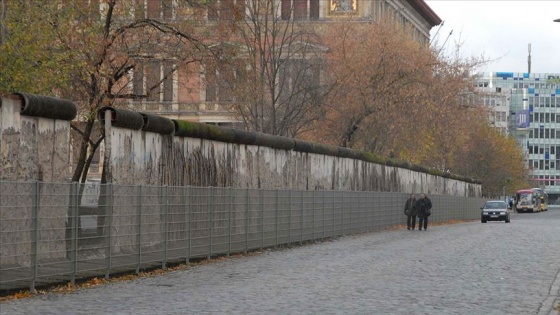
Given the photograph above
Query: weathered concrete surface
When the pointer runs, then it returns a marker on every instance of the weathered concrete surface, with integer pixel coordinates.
(137, 157)
(467, 268)
(32, 148)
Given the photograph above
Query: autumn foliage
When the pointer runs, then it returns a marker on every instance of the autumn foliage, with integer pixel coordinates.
(367, 85)
(396, 98)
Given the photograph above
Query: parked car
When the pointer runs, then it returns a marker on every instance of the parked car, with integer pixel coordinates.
(494, 210)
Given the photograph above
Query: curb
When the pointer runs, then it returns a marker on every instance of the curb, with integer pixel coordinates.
(554, 294)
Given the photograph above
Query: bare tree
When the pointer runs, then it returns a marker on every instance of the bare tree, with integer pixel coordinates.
(272, 68)
(101, 48)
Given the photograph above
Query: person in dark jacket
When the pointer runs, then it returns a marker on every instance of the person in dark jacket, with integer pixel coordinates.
(424, 207)
(410, 212)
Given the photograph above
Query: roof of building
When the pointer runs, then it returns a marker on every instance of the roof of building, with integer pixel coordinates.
(424, 9)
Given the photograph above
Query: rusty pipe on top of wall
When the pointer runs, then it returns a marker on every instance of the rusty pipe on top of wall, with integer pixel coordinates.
(46, 106)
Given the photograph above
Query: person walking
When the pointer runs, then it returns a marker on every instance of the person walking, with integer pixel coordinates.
(410, 212)
(424, 207)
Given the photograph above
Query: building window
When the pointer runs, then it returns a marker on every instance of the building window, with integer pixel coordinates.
(300, 9)
(301, 79)
(226, 10)
(221, 82)
(151, 72)
(153, 80)
(168, 71)
(159, 9)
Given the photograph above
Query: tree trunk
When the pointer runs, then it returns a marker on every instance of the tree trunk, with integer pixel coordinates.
(94, 148)
(83, 150)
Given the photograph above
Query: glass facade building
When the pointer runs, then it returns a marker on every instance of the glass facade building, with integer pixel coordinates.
(533, 118)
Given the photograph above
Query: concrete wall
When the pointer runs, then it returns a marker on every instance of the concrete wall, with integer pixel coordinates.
(138, 157)
(32, 148)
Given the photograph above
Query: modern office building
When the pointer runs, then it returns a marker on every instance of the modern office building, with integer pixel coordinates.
(532, 101)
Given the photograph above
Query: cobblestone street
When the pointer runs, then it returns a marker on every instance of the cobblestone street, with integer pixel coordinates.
(465, 268)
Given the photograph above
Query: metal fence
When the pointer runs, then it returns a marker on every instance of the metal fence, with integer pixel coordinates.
(53, 232)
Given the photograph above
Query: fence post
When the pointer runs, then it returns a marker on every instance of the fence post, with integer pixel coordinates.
(370, 211)
(188, 222)
(323, 206)
(290, 218)
(246, 220)
(211, 215)
(313, 193)
(351, 210)
(139, 221)
(333, 216)
(166, 222)
(230, 209)
(109, 227)
(74, 199)
(261, 206)
(365, 211)
(302, 217)
(277, 206)
(342, 207)
(35, 237)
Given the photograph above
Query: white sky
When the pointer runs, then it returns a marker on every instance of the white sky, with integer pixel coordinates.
(502, 29)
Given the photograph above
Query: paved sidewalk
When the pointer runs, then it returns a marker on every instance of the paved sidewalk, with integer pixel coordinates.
(467, 268)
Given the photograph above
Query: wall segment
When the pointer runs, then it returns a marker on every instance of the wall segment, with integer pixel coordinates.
(34, 145)
(202, 155)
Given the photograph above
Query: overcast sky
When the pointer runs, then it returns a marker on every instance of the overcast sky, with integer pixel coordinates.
(502, 29)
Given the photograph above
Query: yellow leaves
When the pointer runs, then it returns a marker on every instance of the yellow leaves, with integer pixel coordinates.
(68, 288)
(16, 296)
(93, 282)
